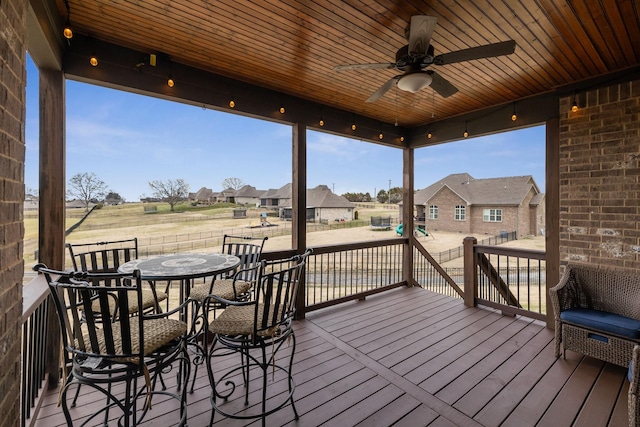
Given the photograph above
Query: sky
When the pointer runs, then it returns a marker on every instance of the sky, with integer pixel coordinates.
(128, 140)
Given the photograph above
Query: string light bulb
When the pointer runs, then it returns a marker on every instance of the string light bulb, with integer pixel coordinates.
(353, 126)
(514, 117)
(380, 136)
(429, 135)
(67, 32)
(574, 107)
(170, 81)
(466, 132)
(93, 61)
(402, 139)
(232, 104)
(321, 122)
(282, 110)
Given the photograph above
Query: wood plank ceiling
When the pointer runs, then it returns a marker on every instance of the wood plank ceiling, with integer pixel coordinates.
(291, 46)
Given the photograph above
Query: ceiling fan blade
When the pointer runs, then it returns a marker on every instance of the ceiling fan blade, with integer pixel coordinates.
(486, 51)
(442, 85)
(420, 32)
(383, 89)
(385, 65)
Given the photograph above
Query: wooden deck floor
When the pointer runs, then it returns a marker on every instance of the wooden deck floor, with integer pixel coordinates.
(409, 357)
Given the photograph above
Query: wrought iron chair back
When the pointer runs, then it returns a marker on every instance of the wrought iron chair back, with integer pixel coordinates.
(106, 257)
(102, 256)
(248, 252)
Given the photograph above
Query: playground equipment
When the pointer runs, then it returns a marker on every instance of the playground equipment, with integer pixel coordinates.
(416, 229)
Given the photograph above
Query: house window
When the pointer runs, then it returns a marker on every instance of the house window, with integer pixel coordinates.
(460, 213)
(433, 212)
(492, 215)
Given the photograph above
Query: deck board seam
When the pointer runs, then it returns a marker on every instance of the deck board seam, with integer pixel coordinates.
(428, 399)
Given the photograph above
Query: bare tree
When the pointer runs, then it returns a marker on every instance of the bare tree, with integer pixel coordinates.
(234, 183)
(171, 191)
(86, 187)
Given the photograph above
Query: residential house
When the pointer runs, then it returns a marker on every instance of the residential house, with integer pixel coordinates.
(491, 206)
(322, 206)
(248, 195)
(203, 196)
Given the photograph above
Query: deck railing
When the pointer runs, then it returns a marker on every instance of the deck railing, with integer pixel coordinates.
(35, 333)
(510, 279)
(429, 274)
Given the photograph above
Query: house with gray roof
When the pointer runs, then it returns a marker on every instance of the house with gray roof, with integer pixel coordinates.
(322, 204)
(248, 195)
(461, 203)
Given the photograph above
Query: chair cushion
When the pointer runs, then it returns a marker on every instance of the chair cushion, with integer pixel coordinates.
(630, 371)
(222, 288)
(604, 321)
(157, 333)
(148, 301)
(238, 320)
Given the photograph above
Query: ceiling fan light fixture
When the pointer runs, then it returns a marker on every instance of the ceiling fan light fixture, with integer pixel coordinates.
(413, 82)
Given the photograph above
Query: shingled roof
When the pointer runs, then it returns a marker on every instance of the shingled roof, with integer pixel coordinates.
(318, 197)
(489, 191)
(248, 191)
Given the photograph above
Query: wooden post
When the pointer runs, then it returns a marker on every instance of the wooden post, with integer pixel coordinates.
(299, 204)
(470, 272)
(552, 211)
(52, 197)
(407, 214)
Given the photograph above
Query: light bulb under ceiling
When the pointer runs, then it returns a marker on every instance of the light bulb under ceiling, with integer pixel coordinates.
(282, 110)
(465, 134)
(574, 107)
(321, 122)
(514, 117)
(170, 81)
(67, 32)
(429, 135)
(380, 136)
(232, 104)
(415, 81)
(93, 61)
(353, 126)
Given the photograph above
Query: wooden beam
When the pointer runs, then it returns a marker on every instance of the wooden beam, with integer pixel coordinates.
(531, 111)
(552, 210)
(52, 196)
(130, 70)
(407, 214)
(299, 203)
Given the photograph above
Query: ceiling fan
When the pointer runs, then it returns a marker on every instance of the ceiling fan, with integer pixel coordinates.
(414, 58)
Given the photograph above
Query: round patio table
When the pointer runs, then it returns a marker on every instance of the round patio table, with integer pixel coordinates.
(182, 266)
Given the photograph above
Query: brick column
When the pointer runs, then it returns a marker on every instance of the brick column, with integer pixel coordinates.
(13, 15)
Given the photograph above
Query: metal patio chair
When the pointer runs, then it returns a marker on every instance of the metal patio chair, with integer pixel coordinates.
(105, 348)
(257, 330)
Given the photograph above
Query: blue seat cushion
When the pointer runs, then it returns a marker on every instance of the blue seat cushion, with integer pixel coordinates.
(603, 321)
(630, 371)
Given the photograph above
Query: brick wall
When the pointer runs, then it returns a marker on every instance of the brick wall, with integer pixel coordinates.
(12, 149)
(600, 177)
(446, 201)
